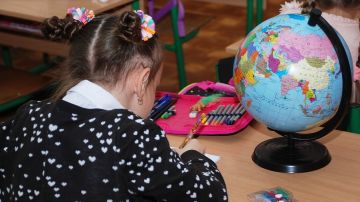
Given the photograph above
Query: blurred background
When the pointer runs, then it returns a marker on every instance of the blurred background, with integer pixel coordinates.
(225, 24)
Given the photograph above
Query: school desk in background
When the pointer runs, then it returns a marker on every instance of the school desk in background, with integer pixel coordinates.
(20, 24)
(223, 116)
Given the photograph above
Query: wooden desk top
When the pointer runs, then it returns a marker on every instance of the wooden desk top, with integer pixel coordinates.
(233, 48)
(38, 10)
(338, 181)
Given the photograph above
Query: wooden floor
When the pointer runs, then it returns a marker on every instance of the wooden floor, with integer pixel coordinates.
(201, 53)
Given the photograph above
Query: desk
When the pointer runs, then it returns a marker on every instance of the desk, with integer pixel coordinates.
(234, 47)
(38, 10)
(338, 181)
(33, 12)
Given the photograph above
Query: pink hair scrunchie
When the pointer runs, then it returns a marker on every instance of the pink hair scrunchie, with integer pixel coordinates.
(81, 14)
(147, 25)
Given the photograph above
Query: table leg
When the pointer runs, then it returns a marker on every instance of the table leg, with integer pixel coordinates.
(6, 56)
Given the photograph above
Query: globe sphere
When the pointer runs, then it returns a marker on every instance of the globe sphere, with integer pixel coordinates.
(287, 74)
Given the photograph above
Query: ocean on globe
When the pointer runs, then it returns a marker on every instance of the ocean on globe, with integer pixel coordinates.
(287, 74)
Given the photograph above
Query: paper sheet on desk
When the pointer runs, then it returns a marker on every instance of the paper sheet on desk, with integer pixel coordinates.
(210, 156)
(213, 157)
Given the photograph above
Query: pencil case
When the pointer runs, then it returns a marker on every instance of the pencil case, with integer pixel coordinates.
(180, 123)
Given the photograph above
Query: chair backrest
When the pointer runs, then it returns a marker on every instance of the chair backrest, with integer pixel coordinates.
(166, 9)
(351, 122)
(354, 119)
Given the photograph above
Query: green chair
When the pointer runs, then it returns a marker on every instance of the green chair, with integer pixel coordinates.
(351, 122)
(250, 14)
(173, 14)
(18, 86)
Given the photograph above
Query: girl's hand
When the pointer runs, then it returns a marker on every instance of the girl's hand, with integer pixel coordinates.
(193, 144)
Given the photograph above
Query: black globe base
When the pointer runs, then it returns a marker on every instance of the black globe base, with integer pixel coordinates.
(291, 156)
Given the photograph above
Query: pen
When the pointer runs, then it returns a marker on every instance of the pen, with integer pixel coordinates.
(192, 134)
(160, 99)
(164, 101)
(157, 102)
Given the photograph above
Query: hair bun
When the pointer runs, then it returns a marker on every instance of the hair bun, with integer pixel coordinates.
(58, 29)
(130, 27)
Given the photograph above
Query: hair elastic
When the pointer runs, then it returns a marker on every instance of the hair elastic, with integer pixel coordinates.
(81, 14)
(147, 25)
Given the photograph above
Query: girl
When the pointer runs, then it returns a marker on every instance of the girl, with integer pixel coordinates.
(344, 16)
(93, 141)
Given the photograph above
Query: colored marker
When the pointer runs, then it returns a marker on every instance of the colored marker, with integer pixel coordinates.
(232, 114)
(221, 115)
(226, 114)
(217, 115)
(240, 111)
(210, 119)
(170, 112)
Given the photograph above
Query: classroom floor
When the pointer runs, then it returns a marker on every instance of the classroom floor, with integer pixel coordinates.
(201, 53)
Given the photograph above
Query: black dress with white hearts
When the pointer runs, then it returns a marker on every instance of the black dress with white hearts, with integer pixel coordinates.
(61, 152)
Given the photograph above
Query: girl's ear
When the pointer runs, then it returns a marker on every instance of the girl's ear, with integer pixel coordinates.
(141, 81)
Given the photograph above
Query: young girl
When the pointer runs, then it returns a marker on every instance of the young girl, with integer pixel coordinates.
(93, 142)
(344, 16)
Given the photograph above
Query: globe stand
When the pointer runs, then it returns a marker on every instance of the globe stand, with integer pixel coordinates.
(295, 152)
(285, 154)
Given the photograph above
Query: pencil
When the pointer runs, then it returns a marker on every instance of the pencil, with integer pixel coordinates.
(192, 134)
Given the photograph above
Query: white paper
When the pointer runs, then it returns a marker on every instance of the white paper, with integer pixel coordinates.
(213, 157)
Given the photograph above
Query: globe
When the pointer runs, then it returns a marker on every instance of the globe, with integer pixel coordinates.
(287, 74)
(293, 73)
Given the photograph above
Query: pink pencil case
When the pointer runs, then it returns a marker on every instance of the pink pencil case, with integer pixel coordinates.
(181, 123)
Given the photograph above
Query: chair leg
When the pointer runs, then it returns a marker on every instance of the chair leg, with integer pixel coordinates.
(47, 64)
(259, 11)
(249, 15)
(46, 58)
(180, 65)
(135, 5)
(14, 103)
(178, 48)
(7, 56)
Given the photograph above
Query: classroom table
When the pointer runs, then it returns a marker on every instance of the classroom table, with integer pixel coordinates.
(338, 181)
(20, 22)
(35, 11)
(233, 48)
(38, 10)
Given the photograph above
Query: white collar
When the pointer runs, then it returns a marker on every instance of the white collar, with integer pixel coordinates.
(89, 95)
